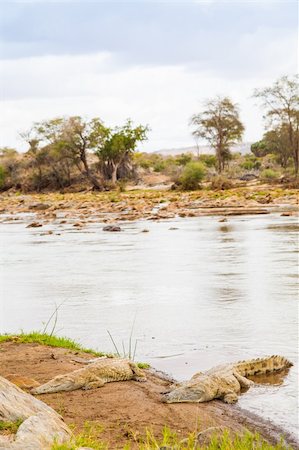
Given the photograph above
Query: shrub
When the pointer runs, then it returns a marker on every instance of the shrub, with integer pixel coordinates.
(183, 159)
(220, 183)
(251, 164)
(208, 160)
(269, 175)
(193, 173)
(159, 166)
(269, 161)
(2, 177)
(169, 166)
(233, 171)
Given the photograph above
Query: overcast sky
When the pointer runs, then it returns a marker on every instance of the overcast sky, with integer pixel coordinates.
(154, 62)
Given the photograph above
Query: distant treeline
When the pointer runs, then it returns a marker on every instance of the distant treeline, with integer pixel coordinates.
(67, 151)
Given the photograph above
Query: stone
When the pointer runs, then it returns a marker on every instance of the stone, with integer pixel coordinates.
(248, 177)
(34, 225)
(265, 200)
(112, 228)
(41, 424)
(39, 206)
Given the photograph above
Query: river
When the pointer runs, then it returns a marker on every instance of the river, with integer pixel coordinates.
(194, 293)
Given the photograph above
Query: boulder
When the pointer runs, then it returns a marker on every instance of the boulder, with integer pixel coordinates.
(41, 425)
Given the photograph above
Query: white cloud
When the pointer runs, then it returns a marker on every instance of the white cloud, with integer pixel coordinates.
(163, 96)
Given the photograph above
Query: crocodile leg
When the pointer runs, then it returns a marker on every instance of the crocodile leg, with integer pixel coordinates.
(230, 397)
(140, 379)
(138, 374)
(94, 384)
(244, 382)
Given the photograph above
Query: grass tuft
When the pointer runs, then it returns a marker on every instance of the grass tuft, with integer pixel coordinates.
(143, 365)
(89, 437)
(46, 339)
(10, 427)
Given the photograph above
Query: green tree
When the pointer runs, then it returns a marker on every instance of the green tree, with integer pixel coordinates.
(2, 177)
(11, 162)
(37, 160)
(118, 147)
(275, 141)
(219, 124)
(64, 140)
(81, 137)
(259, 148)
(281, 105)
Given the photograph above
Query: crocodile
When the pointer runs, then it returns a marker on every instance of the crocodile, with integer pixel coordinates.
(224, 382)
(94, 375)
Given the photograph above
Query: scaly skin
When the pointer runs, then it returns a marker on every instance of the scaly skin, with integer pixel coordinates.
(94, 375)
(226, 381)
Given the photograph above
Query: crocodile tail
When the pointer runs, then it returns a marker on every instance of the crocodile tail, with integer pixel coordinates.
(261, 366)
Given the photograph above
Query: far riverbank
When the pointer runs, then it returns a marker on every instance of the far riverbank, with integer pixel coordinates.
(83, 208)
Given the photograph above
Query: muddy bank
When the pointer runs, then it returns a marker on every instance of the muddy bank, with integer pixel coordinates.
(124, 409)
(79, 209)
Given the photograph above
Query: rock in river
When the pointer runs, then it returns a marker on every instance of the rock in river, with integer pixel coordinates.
(112, 228)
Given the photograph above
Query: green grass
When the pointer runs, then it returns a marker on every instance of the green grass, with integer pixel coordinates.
(143, 365)
(11, 427)
(87, 438)
(224, 441)
(170, 440)
(55, 341)
(46, 339)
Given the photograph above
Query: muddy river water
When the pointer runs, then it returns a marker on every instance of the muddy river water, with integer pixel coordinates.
(200, 292)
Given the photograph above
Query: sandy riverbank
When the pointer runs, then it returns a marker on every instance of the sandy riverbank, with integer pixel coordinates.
(123, 409)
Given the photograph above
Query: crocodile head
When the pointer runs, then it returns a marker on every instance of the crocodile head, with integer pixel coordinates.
(186, 394)
(57, 384)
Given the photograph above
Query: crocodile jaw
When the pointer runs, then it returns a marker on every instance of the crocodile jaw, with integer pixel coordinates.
(56, 386)
(185, 395)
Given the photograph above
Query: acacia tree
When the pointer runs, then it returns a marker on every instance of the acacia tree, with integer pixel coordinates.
(10, 163)
(281, 104)
(219, 124)
(118, 146)
(275, 141)
(67, 140)
(81, 137)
